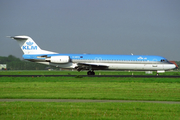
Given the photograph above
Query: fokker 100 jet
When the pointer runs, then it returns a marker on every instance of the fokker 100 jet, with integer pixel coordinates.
(91, 62)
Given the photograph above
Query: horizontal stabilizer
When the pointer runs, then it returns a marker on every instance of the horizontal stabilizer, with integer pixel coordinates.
(19, 37)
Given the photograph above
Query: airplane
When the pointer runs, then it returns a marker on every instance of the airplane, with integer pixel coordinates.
(91, 62)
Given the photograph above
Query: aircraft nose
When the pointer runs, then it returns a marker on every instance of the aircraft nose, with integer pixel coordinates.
(173, 66)
(169, 66)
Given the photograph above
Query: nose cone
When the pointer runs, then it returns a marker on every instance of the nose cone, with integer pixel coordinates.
(173, 66)
(169, 66)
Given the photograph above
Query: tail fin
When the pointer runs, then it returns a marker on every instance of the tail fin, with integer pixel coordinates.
(28, 46)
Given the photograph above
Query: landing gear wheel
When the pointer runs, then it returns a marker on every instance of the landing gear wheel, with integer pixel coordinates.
(93, 73)
(90, 73)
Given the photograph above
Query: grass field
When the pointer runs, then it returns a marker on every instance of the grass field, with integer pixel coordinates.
(91, 88)
(161, 89)
(85, 111)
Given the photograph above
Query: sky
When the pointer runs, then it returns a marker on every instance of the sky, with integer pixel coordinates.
(141, 27)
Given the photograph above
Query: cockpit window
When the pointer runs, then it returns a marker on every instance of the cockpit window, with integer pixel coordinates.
(163, 60)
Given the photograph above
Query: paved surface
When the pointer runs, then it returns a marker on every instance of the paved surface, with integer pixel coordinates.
(142, 76)
(84, 101)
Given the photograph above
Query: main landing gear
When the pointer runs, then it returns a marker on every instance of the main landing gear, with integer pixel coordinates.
(91, 72)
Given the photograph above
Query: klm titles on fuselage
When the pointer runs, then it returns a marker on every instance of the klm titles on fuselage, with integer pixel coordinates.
(29, 46)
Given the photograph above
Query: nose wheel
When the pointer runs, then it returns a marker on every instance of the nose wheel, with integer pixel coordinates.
(91, 72)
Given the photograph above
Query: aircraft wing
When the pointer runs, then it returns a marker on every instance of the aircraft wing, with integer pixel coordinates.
(94, 66)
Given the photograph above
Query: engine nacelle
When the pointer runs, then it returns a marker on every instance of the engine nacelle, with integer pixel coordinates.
(59, 59)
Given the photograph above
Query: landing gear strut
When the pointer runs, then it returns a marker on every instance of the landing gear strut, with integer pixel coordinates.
(91, 72)
(79, 69)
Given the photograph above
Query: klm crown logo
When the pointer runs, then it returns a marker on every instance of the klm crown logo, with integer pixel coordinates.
(29, 43)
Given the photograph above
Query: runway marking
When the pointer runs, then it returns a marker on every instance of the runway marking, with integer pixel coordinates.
(85, 100)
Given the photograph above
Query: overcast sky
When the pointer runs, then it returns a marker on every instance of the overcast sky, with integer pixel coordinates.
(141, 27)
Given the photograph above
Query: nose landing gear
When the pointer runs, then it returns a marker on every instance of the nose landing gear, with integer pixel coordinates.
(91, 72)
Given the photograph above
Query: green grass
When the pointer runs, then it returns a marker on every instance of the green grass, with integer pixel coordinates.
(85, 111)
(45, 72)
(165, 89)
(162, 89)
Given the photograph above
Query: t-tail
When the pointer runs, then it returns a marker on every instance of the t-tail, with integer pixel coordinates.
(28, 46)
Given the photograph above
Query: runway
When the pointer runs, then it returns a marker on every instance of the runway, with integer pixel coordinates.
(85, 101)
(134, 76)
